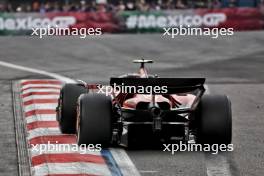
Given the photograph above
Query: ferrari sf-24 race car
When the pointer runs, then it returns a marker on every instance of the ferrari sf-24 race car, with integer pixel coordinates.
(183, 113)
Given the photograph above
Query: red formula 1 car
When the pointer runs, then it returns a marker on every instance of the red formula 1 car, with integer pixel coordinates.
(141, 107)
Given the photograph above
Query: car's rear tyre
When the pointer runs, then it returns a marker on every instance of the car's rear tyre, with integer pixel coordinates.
(214, 120)
(95, 119)
(66, 111)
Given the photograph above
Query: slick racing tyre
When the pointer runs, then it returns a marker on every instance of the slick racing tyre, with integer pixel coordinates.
(67, 105)
(214, 120)
(94, 121)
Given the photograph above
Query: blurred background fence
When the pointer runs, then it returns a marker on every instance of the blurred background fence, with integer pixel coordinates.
(133, 16)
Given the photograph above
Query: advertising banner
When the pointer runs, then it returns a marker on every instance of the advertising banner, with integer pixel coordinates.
(134, 21)
(237, 18)
(22, 23)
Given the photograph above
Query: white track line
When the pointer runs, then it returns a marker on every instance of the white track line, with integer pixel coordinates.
(37, 71)
(120, 154)
(148, 171)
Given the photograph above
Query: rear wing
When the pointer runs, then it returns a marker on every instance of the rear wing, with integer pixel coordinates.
(173, 85)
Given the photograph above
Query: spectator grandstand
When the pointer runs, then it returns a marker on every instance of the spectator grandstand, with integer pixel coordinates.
(43, 6)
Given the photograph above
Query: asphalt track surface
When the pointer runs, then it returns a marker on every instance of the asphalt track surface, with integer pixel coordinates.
(232, 66)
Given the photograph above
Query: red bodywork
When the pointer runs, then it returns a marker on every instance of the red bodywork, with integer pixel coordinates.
(130, 101)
